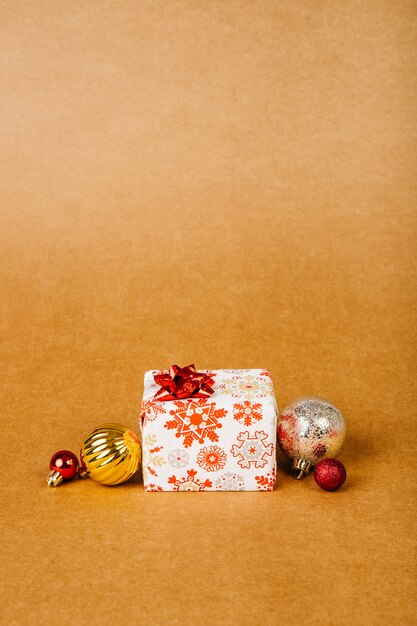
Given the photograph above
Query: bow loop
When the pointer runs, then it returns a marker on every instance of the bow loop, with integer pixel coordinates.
(183, 382)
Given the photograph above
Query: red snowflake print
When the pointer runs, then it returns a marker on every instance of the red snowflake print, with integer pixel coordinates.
(189, 482)
(247, 412)
(195, 420)
(267, 481)
(252, 450)
(212, 458)
(265, 373)
(152, 487)
(151, 410)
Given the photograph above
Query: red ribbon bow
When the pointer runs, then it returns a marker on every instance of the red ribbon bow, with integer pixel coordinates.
(183, 382)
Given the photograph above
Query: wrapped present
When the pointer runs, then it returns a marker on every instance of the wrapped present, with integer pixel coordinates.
(208, 431)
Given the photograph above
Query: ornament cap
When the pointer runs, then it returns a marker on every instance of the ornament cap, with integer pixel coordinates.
(54, 478)
(82, 470)
(300, 468)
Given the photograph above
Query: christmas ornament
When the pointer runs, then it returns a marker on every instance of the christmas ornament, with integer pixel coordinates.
(183, 382)
(330, 474)
(63, 466)
(110, 454)
(308, 430)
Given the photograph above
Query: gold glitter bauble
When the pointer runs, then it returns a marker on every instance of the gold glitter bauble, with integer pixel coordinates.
(110, 454)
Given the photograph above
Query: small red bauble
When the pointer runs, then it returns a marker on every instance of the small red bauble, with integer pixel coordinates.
(329, 474)
(65, 463)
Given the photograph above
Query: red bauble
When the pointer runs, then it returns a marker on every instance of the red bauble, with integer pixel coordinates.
(64, 462)
(329, 474)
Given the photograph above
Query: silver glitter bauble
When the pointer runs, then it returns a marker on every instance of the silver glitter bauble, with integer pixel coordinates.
(310, 429)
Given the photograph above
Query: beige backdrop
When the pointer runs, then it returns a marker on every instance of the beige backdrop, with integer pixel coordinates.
(230, 183)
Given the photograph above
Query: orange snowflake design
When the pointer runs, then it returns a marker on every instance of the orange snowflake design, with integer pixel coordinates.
(195, 420)
(266, 482)
(151, 410)
(152, 487)
(212, 459)
(247, 413)
(252, 451)
(189, 482)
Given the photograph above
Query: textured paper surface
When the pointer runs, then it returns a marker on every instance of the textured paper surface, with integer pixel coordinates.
(230, 183)
(226, 442)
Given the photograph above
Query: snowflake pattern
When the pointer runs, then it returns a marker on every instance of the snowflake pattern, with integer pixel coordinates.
(247, 386)
(252, 450)
(212, 459)
(225, 442)
(151, 458)
(247, 412)
(266, 482)
(189, 482)
(151, 410)
(178, 458)
(230, 482)
(153, 487)
(194, 420)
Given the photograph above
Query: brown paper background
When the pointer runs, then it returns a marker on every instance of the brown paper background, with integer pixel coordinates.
(230, 183)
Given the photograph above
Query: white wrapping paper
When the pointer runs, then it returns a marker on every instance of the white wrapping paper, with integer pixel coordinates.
(226, 442)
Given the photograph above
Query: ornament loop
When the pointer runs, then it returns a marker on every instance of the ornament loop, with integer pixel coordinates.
(54, 479)
(300, 468)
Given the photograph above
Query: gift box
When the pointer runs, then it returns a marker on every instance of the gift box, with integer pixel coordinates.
(214, 434)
